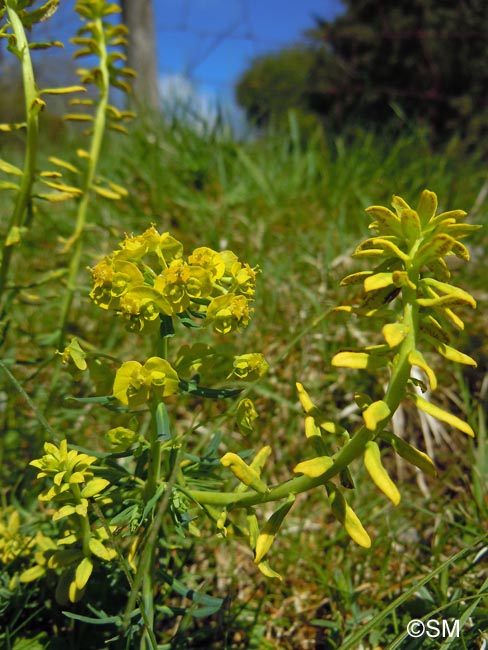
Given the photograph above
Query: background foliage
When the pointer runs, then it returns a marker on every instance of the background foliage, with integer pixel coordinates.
(380, 62)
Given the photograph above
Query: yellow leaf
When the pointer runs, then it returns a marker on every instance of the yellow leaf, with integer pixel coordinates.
(416, 358)
(57, 197)
(14, 235)
(355, 278)
(243, 472)
(347, 517)
(271, 528)
(375, 414)
(63, 91)
(452, 354)
(267, 571)
(379, 475)
(410, 453)
(65, 511)
(378, 281)
(78, 117)
(357, 360)
(35, 572)
(388, 222)
(62, 163)
(450, 290)
(410, 225)
(440, 414)
(427, 206)
(83, 572)
(304, 398)
(394, 333)
(61, 187)
(93, 487)
(98, 549)
(314, 467)
(105, 192)
(8, 168)
(13, 127)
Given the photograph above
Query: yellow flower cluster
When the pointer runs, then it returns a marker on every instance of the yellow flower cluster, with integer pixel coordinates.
(148, 276)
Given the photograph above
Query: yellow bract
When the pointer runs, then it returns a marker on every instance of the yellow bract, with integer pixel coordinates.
(136, 384)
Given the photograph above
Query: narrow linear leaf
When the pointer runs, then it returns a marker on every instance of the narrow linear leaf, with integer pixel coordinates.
(8, 168)
(416, 358)
(347, 517)
(314, 467)
(63, 91)
(379, 475)
(410, 453)
(440, 414)
(271, 528)
(243, 472)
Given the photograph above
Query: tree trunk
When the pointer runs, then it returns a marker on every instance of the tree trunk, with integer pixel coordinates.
(138, 16)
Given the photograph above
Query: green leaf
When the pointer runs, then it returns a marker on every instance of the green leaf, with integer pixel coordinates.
(103, 620)
(163, 426)
(40, 14)
(193, 388)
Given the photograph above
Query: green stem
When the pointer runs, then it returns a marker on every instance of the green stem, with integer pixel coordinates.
(32, 119)
(76, 240)
(395, 393)
(85, 522)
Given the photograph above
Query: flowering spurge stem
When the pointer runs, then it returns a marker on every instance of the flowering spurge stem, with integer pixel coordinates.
(76, 241)
(33, 106)
(411, 274)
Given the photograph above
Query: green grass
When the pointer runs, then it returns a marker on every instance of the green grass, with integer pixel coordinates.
(294, 206)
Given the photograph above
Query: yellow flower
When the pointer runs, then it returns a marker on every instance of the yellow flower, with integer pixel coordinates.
(143, 304)
(180, 283)
(210, 260)
(245, 416)
(250, 366)
(102, 276)
(165, 246)
(135, 384)
(228, 313)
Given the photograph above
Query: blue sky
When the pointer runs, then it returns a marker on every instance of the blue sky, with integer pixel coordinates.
(211, 42)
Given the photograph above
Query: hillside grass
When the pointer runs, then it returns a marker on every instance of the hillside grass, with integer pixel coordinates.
(294, 205)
